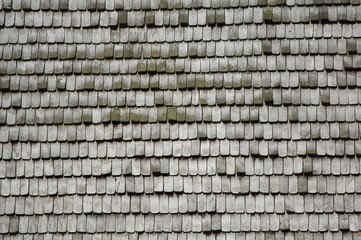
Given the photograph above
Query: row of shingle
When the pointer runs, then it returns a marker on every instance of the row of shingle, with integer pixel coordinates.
(204, 223)
(180, 50)
(206, 114)
(179, 34)
(195, 167)
(101, 5)
(191, 148)
(161, 66)
(174, 18)
(302, 14)
(155, 132)
(297, 97)
(181, 184)
(181, 81)
(183, 236)
(183, 204)
(114, 5)
(130, 19)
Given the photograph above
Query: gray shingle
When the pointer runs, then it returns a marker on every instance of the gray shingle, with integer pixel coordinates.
(283, 93)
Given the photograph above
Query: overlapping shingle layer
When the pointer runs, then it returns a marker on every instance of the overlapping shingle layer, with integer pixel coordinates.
(171, 119)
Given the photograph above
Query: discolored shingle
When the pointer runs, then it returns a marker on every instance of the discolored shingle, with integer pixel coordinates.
(186, 117)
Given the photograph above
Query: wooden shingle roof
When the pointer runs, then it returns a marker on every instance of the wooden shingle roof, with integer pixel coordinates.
(180, 119)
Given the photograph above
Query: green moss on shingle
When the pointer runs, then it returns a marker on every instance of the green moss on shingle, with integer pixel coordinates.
(247, 80)
(262, 3)
(151, 66)
(162, 114)
(323, 13)
(172, 114)
(149, 18)
(193, 51)
(183, 17)
(154, 82)
(142, 67)
(115, 115)
(200, 81)
(155, 54)
(181, 115)
(163, 4)
(220, 17)
(211, 17)
(191, 81)
(122, 18)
